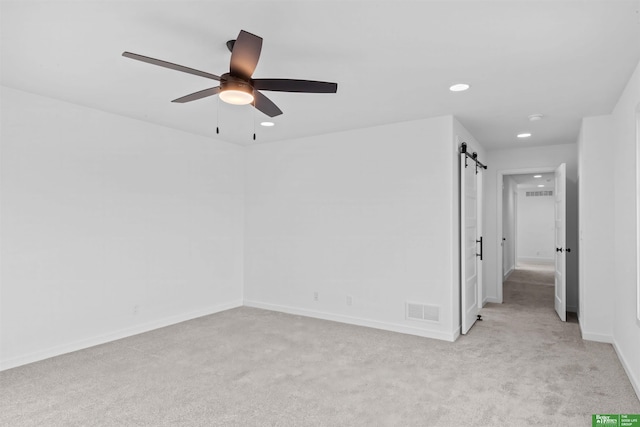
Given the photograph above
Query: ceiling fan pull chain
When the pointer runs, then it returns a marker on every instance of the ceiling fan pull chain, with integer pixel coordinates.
(254, 122)
(218, 117)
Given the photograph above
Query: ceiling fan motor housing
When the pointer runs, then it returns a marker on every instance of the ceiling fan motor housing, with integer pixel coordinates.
(229, 82)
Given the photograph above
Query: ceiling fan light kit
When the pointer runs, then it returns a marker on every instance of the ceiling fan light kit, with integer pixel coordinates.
(236, 97)
(235, 91)
(237, 86)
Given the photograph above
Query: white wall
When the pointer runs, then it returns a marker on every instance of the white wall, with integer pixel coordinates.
(369, 214)
(608, 145)
(597, 248)
(536, 228)
(509, 209)
(626, 329)
(110, 227)
(519, 159)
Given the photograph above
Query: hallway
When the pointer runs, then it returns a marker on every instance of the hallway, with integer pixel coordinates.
(531, 286)
(550, 362)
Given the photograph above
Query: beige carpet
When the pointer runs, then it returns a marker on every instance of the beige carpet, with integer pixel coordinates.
(542, 276)
(246, 367)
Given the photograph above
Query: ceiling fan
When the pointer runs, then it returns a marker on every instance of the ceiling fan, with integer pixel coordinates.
(237, 86)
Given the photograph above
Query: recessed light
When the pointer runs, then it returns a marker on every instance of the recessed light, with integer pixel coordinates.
(537, 176)
(541, 185)
(267, 124)
(535, 117)
(459, 87)
(524, 135)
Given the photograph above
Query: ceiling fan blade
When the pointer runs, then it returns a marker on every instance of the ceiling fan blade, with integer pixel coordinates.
(265, 105)
(245, 54)
(170, 65)
(198, 95)
(291, 85)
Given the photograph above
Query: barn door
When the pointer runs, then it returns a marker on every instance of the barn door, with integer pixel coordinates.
(471, 244)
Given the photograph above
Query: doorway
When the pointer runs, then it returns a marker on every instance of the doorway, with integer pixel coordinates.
(532, 225)
(528, 239)
(533, 242)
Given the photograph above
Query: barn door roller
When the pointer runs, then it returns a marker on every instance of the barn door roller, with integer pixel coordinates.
(473, 156)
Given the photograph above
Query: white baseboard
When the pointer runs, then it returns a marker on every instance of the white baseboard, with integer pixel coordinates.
(456, 333)
(491, 299)
(536, 260)
(112, 336)
(572, 309)
(507, 274)
(590, 336)
(635, 381)
(393, 327)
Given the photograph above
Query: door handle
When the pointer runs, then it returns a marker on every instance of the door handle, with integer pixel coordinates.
(560, 250)
(480, 254)
(568, 249)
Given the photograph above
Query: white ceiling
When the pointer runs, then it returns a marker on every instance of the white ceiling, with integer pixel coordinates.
(393, 61)
(527, 181)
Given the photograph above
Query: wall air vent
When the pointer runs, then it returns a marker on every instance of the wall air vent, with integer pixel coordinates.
(539, 193)
(430, 313)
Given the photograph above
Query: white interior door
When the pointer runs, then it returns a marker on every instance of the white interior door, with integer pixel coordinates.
(479, 175)
(470, 244)
(560, 303)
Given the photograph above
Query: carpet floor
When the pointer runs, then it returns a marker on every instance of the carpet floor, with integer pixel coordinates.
(247, 367)
(534, 275)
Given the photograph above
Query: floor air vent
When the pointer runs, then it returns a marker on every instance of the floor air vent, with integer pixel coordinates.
(423, 312)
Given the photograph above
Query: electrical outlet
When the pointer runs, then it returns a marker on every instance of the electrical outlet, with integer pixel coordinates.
(349, 300)
(315, 296)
